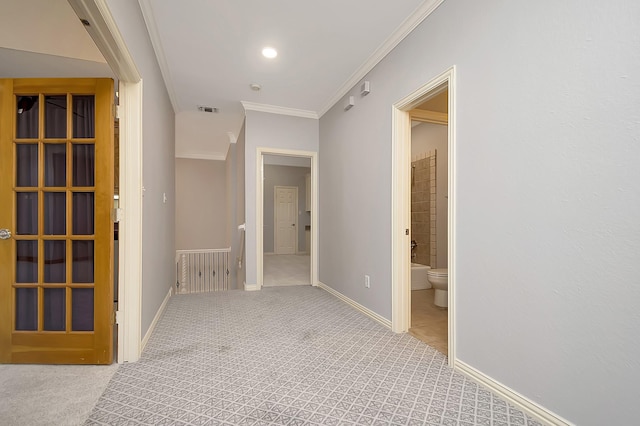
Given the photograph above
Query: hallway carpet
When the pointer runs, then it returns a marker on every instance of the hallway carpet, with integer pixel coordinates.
(286, 269)
(294, 356)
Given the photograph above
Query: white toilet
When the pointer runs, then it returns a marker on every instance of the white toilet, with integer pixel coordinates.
(439, 279)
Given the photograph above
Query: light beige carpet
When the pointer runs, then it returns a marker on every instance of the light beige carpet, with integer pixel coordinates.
(61, 395)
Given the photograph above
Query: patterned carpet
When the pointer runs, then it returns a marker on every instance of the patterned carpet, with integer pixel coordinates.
(289, 356)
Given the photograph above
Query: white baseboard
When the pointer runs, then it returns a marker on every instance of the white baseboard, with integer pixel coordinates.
(251, 287)
(535, 410)
(147, 335)
(356, 305)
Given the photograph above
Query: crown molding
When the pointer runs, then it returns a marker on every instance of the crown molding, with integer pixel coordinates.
(273, 109)
(152, 29)
(216, 156)
(409, 24)
(426, 116)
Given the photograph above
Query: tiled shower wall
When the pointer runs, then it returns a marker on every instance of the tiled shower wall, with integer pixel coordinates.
(423, 208)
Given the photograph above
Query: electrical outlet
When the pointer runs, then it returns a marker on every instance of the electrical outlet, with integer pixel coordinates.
(367, 281)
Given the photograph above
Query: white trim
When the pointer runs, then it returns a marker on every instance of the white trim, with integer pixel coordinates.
(274, 109)
(105, 34)
(251, 287)
(155, 319)
(152, 29)
(515, 398)
(259, 221)
(452, 147)
(313, 155)
(222, 250)
(409, 24)
(401, 221)
(401, 211)
(368, 312)
(130, 232)
(218, 156)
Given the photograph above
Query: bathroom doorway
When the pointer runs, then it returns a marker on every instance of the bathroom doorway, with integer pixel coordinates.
(429, 134)
(439, 246)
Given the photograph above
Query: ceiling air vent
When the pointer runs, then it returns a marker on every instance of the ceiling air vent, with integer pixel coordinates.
(207, 109)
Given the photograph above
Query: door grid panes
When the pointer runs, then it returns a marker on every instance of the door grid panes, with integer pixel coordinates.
(54, 180)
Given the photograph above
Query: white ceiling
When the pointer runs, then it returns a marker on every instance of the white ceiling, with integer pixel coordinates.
(209, 53)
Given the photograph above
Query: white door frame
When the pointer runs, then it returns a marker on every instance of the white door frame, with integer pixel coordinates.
(260, 152)
(401, 205)
(275, 218)
(104, 32)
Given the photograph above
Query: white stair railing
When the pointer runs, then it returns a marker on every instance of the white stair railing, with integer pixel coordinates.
(202, 270)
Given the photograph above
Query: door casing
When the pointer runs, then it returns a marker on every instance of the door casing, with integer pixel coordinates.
(401, 205)
(313, 156)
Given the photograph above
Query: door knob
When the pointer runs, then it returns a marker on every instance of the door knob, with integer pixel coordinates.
(5, 234)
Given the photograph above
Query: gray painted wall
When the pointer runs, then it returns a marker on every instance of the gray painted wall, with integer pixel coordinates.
(158, 220)
(240, 210)
(201, 204)
(548, 194)
(272, 131)
(284, 176)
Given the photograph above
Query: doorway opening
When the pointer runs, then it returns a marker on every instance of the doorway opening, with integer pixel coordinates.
(286, 219)
(419, 106)
(429, 122)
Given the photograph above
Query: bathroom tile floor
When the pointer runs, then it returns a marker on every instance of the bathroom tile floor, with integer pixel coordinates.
(429, 323)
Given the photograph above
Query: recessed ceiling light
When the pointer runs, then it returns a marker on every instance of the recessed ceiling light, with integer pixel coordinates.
(255, 87)
(269, 52)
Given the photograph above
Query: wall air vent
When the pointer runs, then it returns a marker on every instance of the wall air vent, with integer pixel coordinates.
(207, 109)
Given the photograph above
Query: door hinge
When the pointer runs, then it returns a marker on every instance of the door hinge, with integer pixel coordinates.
(116, 111)
(117, 317)
(116, 215)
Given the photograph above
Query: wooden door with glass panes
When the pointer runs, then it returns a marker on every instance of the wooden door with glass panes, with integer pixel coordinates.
(56, 230)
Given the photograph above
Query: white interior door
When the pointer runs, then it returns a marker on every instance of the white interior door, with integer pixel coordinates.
(286, 219)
